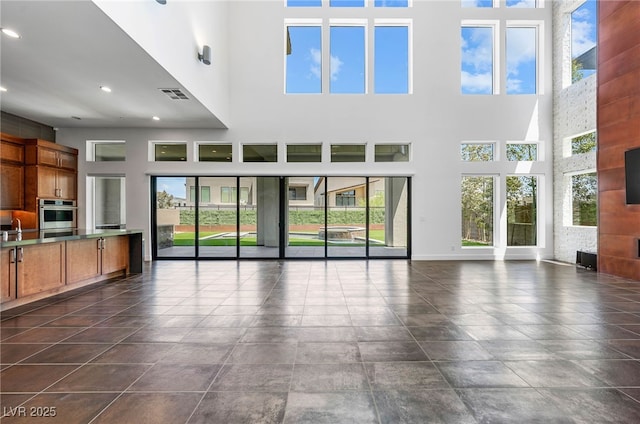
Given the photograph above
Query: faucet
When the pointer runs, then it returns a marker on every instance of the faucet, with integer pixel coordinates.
(19, 227)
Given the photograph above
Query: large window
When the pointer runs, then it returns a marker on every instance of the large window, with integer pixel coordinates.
(522, 210)
(583, 41)
(391, 60)
(584, 189)
(347, 60)
(522, 60)
(477, 67)
(304, 60)
(477, 210)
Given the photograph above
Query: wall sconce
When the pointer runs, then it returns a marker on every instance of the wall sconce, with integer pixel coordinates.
(205, 56)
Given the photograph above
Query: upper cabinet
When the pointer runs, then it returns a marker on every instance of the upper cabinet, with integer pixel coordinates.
(11, 173)
(42, 152)
(50, 172)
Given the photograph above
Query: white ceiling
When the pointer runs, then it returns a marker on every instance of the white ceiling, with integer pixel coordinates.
(67, 50)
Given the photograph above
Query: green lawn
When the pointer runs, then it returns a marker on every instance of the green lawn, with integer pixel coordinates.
(471, 243)
(188, 239)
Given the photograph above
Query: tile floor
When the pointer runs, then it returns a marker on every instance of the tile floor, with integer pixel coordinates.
(387, 341)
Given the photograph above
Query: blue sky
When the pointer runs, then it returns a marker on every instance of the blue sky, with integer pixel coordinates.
(583, 30)
(477, 66)
(172, 185)
(347, 66)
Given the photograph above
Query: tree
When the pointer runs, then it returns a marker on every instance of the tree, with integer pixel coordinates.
(576, 71)
(164, 200)
(584, 143)
(585, 190)
(477, 209)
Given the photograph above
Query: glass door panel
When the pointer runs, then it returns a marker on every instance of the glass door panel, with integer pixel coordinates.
(175, 219)
(305, 218)
(259, 217)
(346, 217)
(388, 216)
(217, 217)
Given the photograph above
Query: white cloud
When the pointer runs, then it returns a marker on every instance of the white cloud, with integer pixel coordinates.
(477, 50)
(514, 85)
(581, 40)
(316, 62)
(524, 3)
(521, 48)
(476, 83)
(336, 66)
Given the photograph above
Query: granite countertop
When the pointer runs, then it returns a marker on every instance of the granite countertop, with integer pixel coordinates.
(51, 236)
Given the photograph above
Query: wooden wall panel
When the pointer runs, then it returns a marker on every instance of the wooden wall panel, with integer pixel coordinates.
(618, 131)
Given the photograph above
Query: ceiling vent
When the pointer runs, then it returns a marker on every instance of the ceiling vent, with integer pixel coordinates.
(174, 93)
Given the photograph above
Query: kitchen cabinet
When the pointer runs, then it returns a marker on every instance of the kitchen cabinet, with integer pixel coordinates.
(40, 268)
(7, 274)
(50, 183)
(51, 172)
(91, 259)
(11, 173)
(47, 153)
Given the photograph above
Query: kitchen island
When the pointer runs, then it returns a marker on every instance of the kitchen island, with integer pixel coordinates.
(39, 264)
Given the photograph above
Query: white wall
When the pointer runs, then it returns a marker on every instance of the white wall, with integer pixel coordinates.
(173, 34)
(435, 119)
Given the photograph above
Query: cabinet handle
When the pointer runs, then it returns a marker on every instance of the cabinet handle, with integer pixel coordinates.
(103, 240)
(13, 256)
(21, 255)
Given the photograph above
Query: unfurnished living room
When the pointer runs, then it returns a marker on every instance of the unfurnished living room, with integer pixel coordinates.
(320, 211)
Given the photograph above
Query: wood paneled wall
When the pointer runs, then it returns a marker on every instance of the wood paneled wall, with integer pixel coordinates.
(618, 131)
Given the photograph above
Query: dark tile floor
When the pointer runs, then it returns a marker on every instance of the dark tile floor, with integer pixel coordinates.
(329, 342)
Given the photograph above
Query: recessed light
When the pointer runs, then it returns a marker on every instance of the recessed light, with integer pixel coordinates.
(11, 33)
(105, 89)
(155, 118)
(2, 88)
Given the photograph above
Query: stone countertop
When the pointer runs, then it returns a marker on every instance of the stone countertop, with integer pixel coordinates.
(30, 237)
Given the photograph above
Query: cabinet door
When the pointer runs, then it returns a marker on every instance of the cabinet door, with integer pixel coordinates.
(43, 268)
(11, 151)
(83, 260)
(68, 160)
(47, 157)
(115, 254)
(47, 182)
(7, 275)
(66, 184)
(11, 186)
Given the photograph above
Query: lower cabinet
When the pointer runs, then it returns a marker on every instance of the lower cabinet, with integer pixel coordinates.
(90, 259)
(49, 267)
(8, 274)
(40, 268)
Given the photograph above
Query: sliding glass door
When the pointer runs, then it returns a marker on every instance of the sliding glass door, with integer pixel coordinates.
(281, 217)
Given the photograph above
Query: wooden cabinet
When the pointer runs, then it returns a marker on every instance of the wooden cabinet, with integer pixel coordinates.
(51, 183)
(90, 259)
(7, 274)
(11, 174)
(40, 268)
(115, 254)
(83, 260)
(50, 172)
(42, 152)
